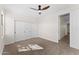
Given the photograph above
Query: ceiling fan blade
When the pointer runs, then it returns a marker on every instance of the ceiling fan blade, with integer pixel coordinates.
(34, 9)
(45, 8)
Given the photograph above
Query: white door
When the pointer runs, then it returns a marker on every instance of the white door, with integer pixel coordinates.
(23, 30)
(28, 30)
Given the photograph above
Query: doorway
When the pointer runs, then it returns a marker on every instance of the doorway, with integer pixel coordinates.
(64, 30)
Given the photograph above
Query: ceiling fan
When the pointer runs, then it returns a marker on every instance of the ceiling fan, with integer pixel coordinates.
(40, 9)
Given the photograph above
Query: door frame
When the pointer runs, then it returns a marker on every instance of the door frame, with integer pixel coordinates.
(59, 25)
(15, 30)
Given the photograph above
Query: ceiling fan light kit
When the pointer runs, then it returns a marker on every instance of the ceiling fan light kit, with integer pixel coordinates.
(39, 12)
(40, 9)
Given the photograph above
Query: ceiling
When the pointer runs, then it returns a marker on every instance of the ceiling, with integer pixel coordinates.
(24, 9)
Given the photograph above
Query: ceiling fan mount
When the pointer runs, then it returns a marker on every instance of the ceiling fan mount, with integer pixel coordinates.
(40, 9)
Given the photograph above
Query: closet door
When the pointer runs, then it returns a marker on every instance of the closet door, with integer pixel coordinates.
(19, 30)
(28, 30)
(22, 31)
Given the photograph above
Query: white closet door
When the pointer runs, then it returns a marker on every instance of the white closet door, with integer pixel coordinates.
(19, 29)
(23, 30)
(28, 30)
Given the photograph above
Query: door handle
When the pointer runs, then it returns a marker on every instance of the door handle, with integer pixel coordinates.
(15, 32)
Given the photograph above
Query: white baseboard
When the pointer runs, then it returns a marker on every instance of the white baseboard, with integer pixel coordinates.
(19, 40)
(41, 36)
(50, 39)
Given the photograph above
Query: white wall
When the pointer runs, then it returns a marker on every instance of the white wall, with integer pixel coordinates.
(74, 27)
(47, 22)
(48, 27)
(31, 20)
(9, 26)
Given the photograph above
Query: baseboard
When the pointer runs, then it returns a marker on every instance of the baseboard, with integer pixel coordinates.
(75, 47)
(44, 37)
(20, 40)
(9, 43)
(50, 39)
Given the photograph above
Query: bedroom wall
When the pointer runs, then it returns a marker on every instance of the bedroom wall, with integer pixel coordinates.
(1, 33)
(49, 24)
(74, 26)
(46, 23)
(48, 27)
(20, 13)
(9, 27)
